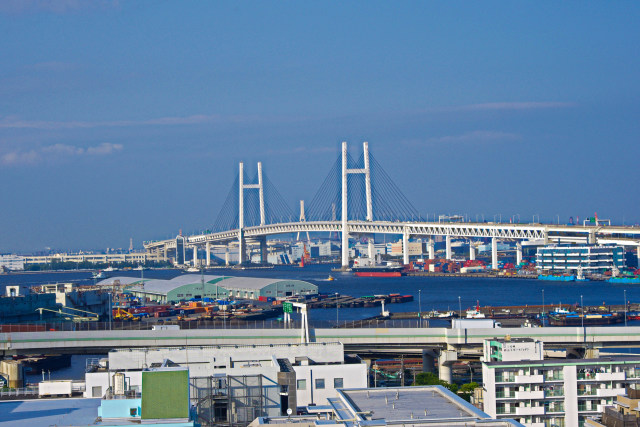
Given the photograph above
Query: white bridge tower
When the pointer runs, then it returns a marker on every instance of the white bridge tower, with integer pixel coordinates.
(345, 174)
(243, 186)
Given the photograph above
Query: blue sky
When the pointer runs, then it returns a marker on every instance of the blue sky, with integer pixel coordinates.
(127, 119)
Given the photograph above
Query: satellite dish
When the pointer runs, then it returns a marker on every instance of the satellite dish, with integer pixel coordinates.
(289, 411)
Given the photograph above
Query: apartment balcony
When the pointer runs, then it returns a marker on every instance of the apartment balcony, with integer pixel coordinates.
(505, 378)
(503, 395)
(529, 379)
(610, 392)
(610, 376)
(531, 394)
(530, 410)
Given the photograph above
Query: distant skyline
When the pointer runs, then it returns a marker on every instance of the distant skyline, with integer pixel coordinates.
(124, 119)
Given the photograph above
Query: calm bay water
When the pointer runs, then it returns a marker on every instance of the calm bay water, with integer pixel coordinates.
(439, 293)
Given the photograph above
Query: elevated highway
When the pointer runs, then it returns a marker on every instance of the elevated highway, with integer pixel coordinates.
(369, 340)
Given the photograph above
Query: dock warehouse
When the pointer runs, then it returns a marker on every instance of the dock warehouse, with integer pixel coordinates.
(190, 286)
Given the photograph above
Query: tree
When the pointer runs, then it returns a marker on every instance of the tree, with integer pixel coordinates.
(428, 378)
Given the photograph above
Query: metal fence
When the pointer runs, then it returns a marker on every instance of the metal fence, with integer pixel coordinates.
(18, 393)
(212, 324)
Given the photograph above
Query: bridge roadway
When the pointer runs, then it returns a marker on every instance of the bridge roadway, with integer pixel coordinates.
(629, 236)
(397, 340)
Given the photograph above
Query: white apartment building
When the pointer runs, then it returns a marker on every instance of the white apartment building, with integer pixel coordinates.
(573, 258)
(11, 262)
(541, 393)
(134, 257)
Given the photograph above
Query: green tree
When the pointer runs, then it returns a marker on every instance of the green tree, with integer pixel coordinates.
(428, 378)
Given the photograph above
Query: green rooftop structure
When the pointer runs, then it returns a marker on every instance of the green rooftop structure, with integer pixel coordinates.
(195, 286)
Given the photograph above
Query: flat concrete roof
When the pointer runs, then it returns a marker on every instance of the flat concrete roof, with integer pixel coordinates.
(411, 404)
(49, 412)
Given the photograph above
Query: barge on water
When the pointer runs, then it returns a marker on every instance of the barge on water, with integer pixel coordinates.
(588, 319)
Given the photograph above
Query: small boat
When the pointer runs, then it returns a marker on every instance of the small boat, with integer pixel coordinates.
(435, 314)
(110, 269)
(139, 268)
(192, 270)
(99, 275)
(331, 278)
(475, 314)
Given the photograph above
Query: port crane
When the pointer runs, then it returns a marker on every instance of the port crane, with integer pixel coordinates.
(92, 317)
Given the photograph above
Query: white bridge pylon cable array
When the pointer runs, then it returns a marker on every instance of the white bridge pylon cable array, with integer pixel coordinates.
(387, 212)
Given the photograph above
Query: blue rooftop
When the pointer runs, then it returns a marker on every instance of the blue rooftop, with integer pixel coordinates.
(45, 413)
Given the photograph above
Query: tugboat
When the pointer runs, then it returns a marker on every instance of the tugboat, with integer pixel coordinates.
(475, 314)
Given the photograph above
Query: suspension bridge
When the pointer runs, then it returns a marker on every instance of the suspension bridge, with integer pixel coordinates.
(359, 199)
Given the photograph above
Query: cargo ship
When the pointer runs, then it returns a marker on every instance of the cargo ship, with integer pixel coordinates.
(557, 278)
(593, 319)
(366, 267)
(628, 280)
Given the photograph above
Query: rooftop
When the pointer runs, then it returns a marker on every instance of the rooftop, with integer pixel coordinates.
(160, 286)
(45, 413)
(605, 360)
(429, 406)
(410, 404)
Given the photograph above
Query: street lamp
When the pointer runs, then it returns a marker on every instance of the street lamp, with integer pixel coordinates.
(582, 309)
(459, 307)
(420, 307)
(543, 310)
(625, 307)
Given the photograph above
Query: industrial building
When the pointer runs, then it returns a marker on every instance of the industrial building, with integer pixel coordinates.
(275, 377)
(521, 384)
(590, 259)
(195, 286)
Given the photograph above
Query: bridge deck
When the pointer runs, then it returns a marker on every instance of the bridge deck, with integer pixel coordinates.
(30, 342)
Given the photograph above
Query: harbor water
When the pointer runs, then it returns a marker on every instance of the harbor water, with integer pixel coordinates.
(439, 293)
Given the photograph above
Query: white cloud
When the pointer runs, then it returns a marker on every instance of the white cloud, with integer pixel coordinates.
(473, 137)
(56, 152)
(513, 106)
(14, 122)
(104, 149)
(54, 6)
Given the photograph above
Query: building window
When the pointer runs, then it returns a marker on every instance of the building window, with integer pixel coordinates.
(338, 383)
(302, 384)
(319, 383)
